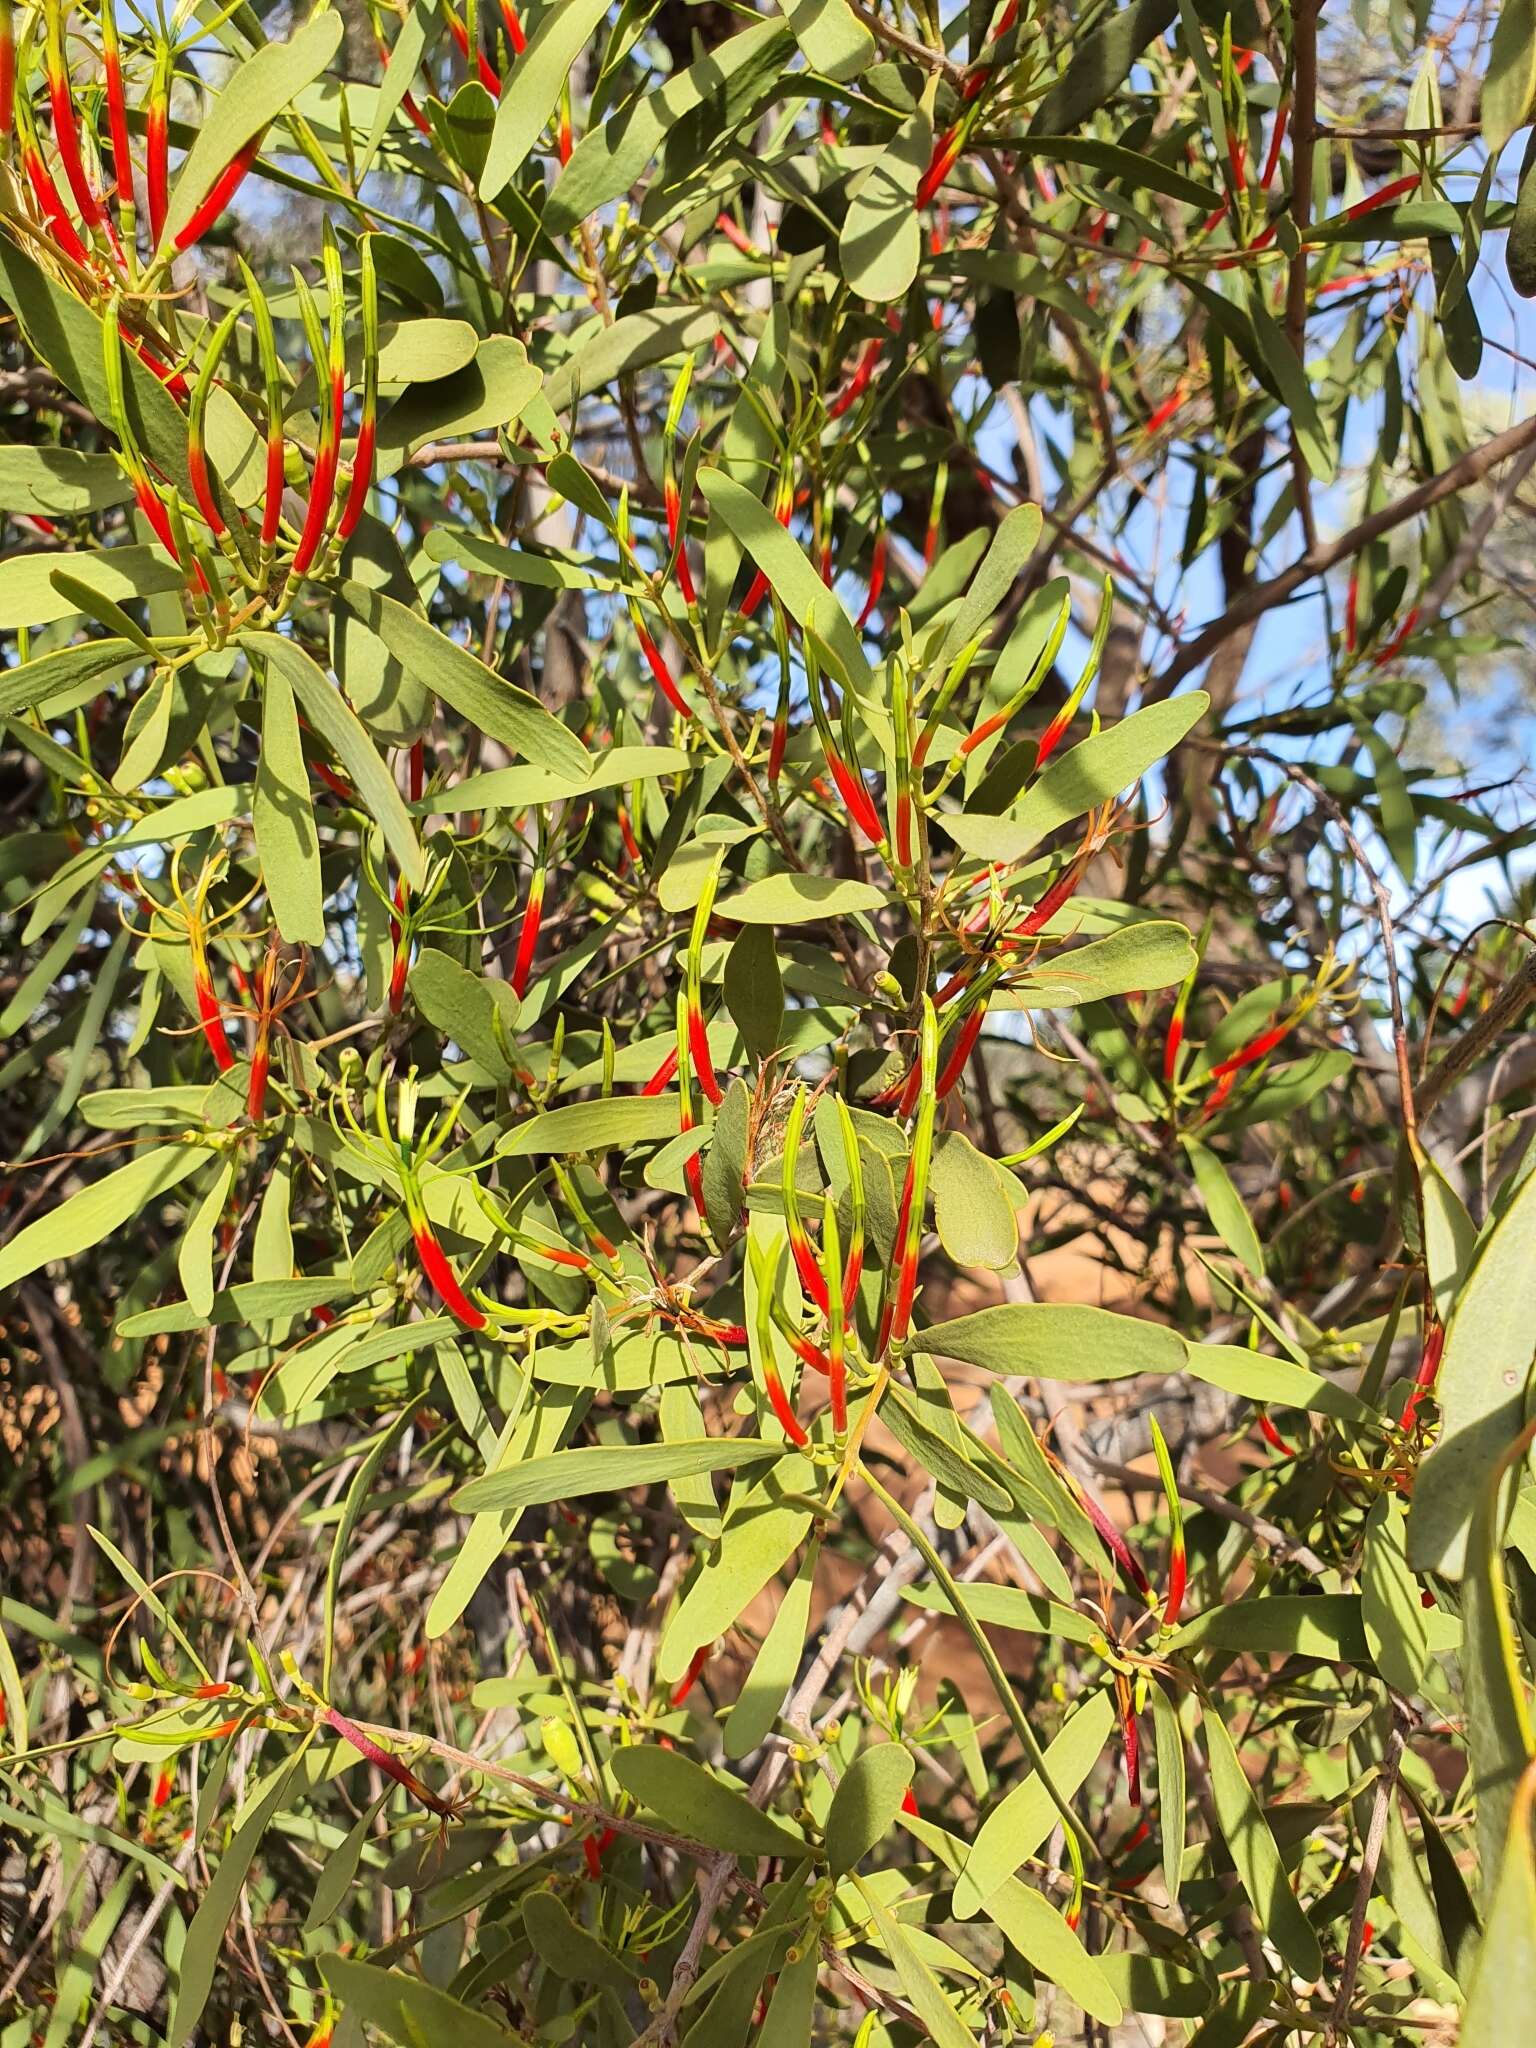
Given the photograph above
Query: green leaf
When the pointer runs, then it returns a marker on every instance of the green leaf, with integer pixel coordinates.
(1020, 1823)
(882, 238)
(569, 1950)
(84, 1219)
(1010, 1607)
(773, 1669)
(944, 1453)
(791, 576)
(60, 483)
(865, 1805)
(633, 342)
(339, 1871)
(260, 90)
(1510, 85)
(609, 158)
(1395, 1628)
(1100, 64)
(333, 719)
(1224, 1206)
(1500, 1736)
(283, 818)
(1252, 1849)
(754, 990)
(798, 899)
(696, 1803)
(1087, 774)
(1277, 1382)
(205, 1936)
(532, 88)
(1172, 1774)
(792, 2009)
(407, 2010)
(1481, 1389)
(68, 678)
(607, 1468)
(610, 1124)
(194, 1259)
(1450, 1238)
(922, 1989)
(974, 1205)
(762, 1530)
(1327, 1625)
(1154, 954)
(833, 41)
(1125, 166)
(30, 597)
(493, 391)
(1504, 1980)
(465, 1007)
(1055, 1341)
(1045, 1941)
(496, 707)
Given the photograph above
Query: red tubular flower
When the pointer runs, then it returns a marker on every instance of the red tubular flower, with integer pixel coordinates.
(1428, 1372)
(514, 28)
(859, 382)
(1171, 1046)
(528, 934)
(1178, 1579)
(1397, 639)
(1237, 157)
(202, 487)
(66, 128)
(213, 1692)
(1273, 1438)
(789, 1422)
(699, 1056)
(1276, 142)
(876, 576)
(690, 1677)
(434, 1264)
(162, 1792)
(50, 204)
(674, 510)
(1255, 1049)
(1129, 1563)
(909, 1803)
(965, 1044)
(1130, 1735)
(1384, 197)
(322, 488)
(417, 769)
(157, 141)
(362, 479)
(736, 235)
(946, 149)
(211, 1017)
(1352, 611)
(627, 834)
(658, 668)
(222, 191)
(117, 108)
(391, 1766)
(1060, 892)
(663, 1075)
(808, 1353)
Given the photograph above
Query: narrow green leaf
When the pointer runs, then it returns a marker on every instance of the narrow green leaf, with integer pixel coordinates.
(865, 1805)
(283, 818)
(336, 723)
(1252, 1848)
(778, 1658)
(261, 89)
(1056, 1341)
(607, 1468)
(205, 1936)
(531, 91)
(84, 1219)
(696, 1803)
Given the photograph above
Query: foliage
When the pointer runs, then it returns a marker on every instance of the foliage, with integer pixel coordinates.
(612, 864)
